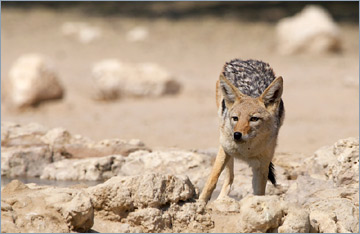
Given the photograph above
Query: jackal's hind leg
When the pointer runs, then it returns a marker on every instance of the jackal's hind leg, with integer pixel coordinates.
(220, 162)
(229, 178)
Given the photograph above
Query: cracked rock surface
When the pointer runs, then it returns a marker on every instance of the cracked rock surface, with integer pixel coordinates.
(157, 191)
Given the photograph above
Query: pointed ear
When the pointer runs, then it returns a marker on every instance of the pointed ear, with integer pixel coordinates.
(272, 94)
(229, 91)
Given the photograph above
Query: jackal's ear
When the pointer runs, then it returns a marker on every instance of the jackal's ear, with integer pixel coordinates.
(229, 91)
(273, 92)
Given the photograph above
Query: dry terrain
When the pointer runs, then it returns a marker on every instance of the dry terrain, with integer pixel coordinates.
(321, 93)
(152, 184)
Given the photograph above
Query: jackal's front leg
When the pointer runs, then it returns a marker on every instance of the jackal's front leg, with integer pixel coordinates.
(220, 162)
(229, 178)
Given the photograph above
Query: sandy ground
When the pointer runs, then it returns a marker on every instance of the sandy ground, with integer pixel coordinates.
(320, 107)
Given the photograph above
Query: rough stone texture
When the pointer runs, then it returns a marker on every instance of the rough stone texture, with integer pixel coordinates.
(27, 149)
(334, 215)
(314, 194)
(150, 219)
(148, 203)
(224, 205)
(289, 166)
(32, 79)
(84, 169)
(296, 220)
(330, 188)
(31, 208)
(331, 208)
(339, 163)
(113, 79)
(120, 195)
(303, 189)
(312, 30)
(152, 202)
(260, 213)
(190, 217)
(174, 162)
(13, 134)
(25, 161)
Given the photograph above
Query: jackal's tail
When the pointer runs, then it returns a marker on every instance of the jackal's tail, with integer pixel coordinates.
(271, 175)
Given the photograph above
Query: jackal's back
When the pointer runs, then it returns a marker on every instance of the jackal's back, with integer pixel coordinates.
(251, 77)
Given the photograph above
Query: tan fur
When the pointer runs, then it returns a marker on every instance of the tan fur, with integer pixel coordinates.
(260, 136)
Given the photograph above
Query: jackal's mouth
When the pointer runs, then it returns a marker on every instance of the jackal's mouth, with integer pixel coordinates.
(240, 141)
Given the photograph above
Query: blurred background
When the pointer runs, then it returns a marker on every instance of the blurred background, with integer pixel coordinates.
(147, 70)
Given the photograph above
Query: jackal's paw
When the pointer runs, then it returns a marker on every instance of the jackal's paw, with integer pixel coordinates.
(201, 205)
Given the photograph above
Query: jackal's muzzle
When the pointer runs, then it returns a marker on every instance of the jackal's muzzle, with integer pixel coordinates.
(237, 136)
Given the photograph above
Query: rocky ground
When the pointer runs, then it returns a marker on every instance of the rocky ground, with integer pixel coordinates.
(148, 190)
(116, 107)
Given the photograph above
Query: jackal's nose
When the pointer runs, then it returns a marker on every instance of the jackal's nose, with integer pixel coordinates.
(237, 135)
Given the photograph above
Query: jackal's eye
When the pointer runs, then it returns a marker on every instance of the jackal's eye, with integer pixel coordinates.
(254, 119)
(234, 118)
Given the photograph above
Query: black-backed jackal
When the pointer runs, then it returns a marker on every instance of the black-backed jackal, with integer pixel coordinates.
(251, 112)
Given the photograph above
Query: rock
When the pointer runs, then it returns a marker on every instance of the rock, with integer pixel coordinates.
(25, 162)
(107, 77)
(146, 203)
(338, 163)
(150, 203)
(137, 34)
(190, 217)
(334, 215)
(121, 195)
(137, 163)
(329, 188)
(176, 162)
(225, 205)
(32, 79)
(332, 209)
(260, 213)
(27, 149)
(13, 134)
(291, 166)
(84, 32)
(150, 219)
(107, 226)
(310, 31)
(296, 220)
(32, 208)
(148, 192)
(84, 169)
(302, 191)
(323, 222)
(113, 79)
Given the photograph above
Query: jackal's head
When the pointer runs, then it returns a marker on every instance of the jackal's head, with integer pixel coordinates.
(245, 117)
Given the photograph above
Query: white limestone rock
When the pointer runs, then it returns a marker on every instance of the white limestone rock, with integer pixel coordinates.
(310, 31)
(113, 79)
(33, 79)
